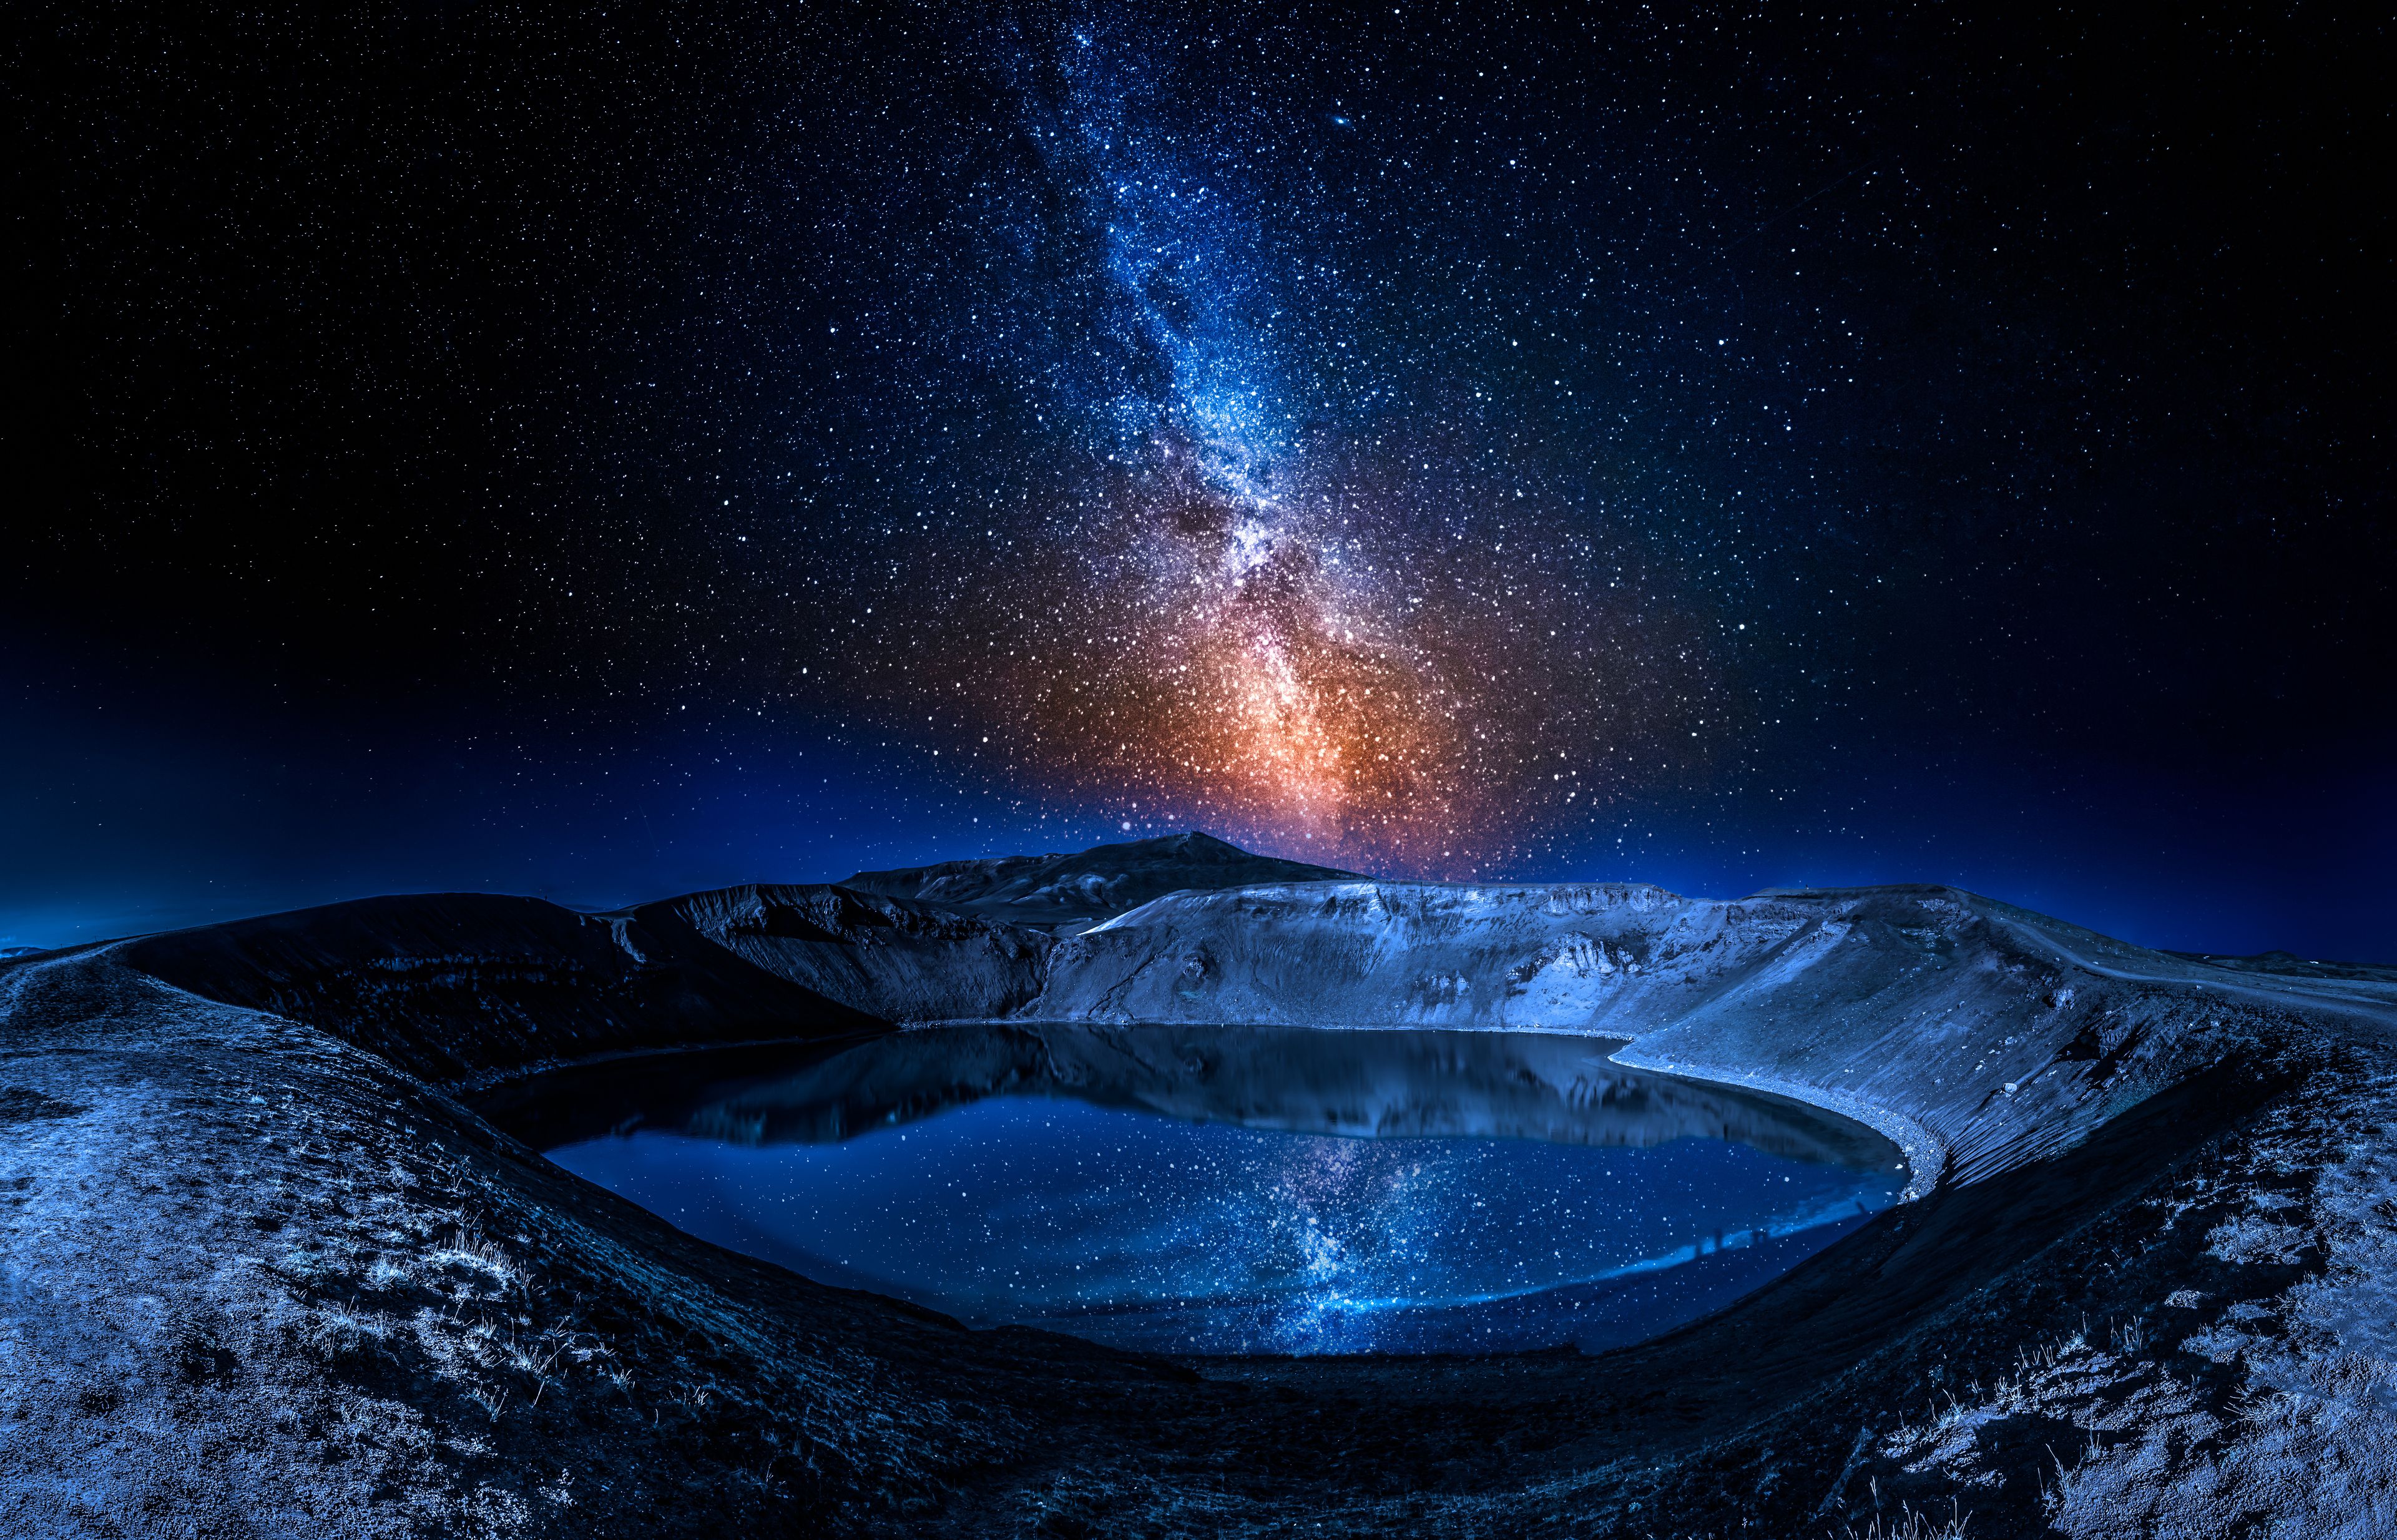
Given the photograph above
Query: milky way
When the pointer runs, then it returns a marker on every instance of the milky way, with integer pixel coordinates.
(1286, 571)
(608, 449)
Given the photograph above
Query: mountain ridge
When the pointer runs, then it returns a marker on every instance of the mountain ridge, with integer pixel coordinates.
(1067, 892)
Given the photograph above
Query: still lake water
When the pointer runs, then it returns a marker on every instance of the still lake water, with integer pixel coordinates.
(1234, 1189)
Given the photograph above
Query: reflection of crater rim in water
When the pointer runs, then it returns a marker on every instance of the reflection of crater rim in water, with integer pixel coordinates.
(1520, 1191)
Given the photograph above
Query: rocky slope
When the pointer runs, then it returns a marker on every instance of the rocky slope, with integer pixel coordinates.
(261, 1273)
(892, 960)
(1977, 1035)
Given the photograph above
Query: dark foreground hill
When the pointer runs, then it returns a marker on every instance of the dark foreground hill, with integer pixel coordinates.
(261, 1272)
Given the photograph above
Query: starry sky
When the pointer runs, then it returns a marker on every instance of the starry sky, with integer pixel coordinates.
(590, 452)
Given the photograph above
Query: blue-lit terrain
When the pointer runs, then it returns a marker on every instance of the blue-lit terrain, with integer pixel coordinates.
(1593, 1218)
(1248, 1208)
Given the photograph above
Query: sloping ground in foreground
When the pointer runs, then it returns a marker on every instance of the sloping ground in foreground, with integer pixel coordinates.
(263, 1274)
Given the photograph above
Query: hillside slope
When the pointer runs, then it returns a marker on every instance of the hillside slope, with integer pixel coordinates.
(892, 960)
(1977, 1035)
(455, 986)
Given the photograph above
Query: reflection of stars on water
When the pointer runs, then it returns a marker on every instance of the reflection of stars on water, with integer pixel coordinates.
(1160, 1234)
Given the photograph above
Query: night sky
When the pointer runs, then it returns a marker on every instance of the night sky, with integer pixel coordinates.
(599, 455)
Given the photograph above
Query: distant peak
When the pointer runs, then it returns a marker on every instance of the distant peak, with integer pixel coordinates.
(1102, 880)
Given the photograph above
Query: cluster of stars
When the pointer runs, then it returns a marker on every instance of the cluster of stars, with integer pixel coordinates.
(1272, 578)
